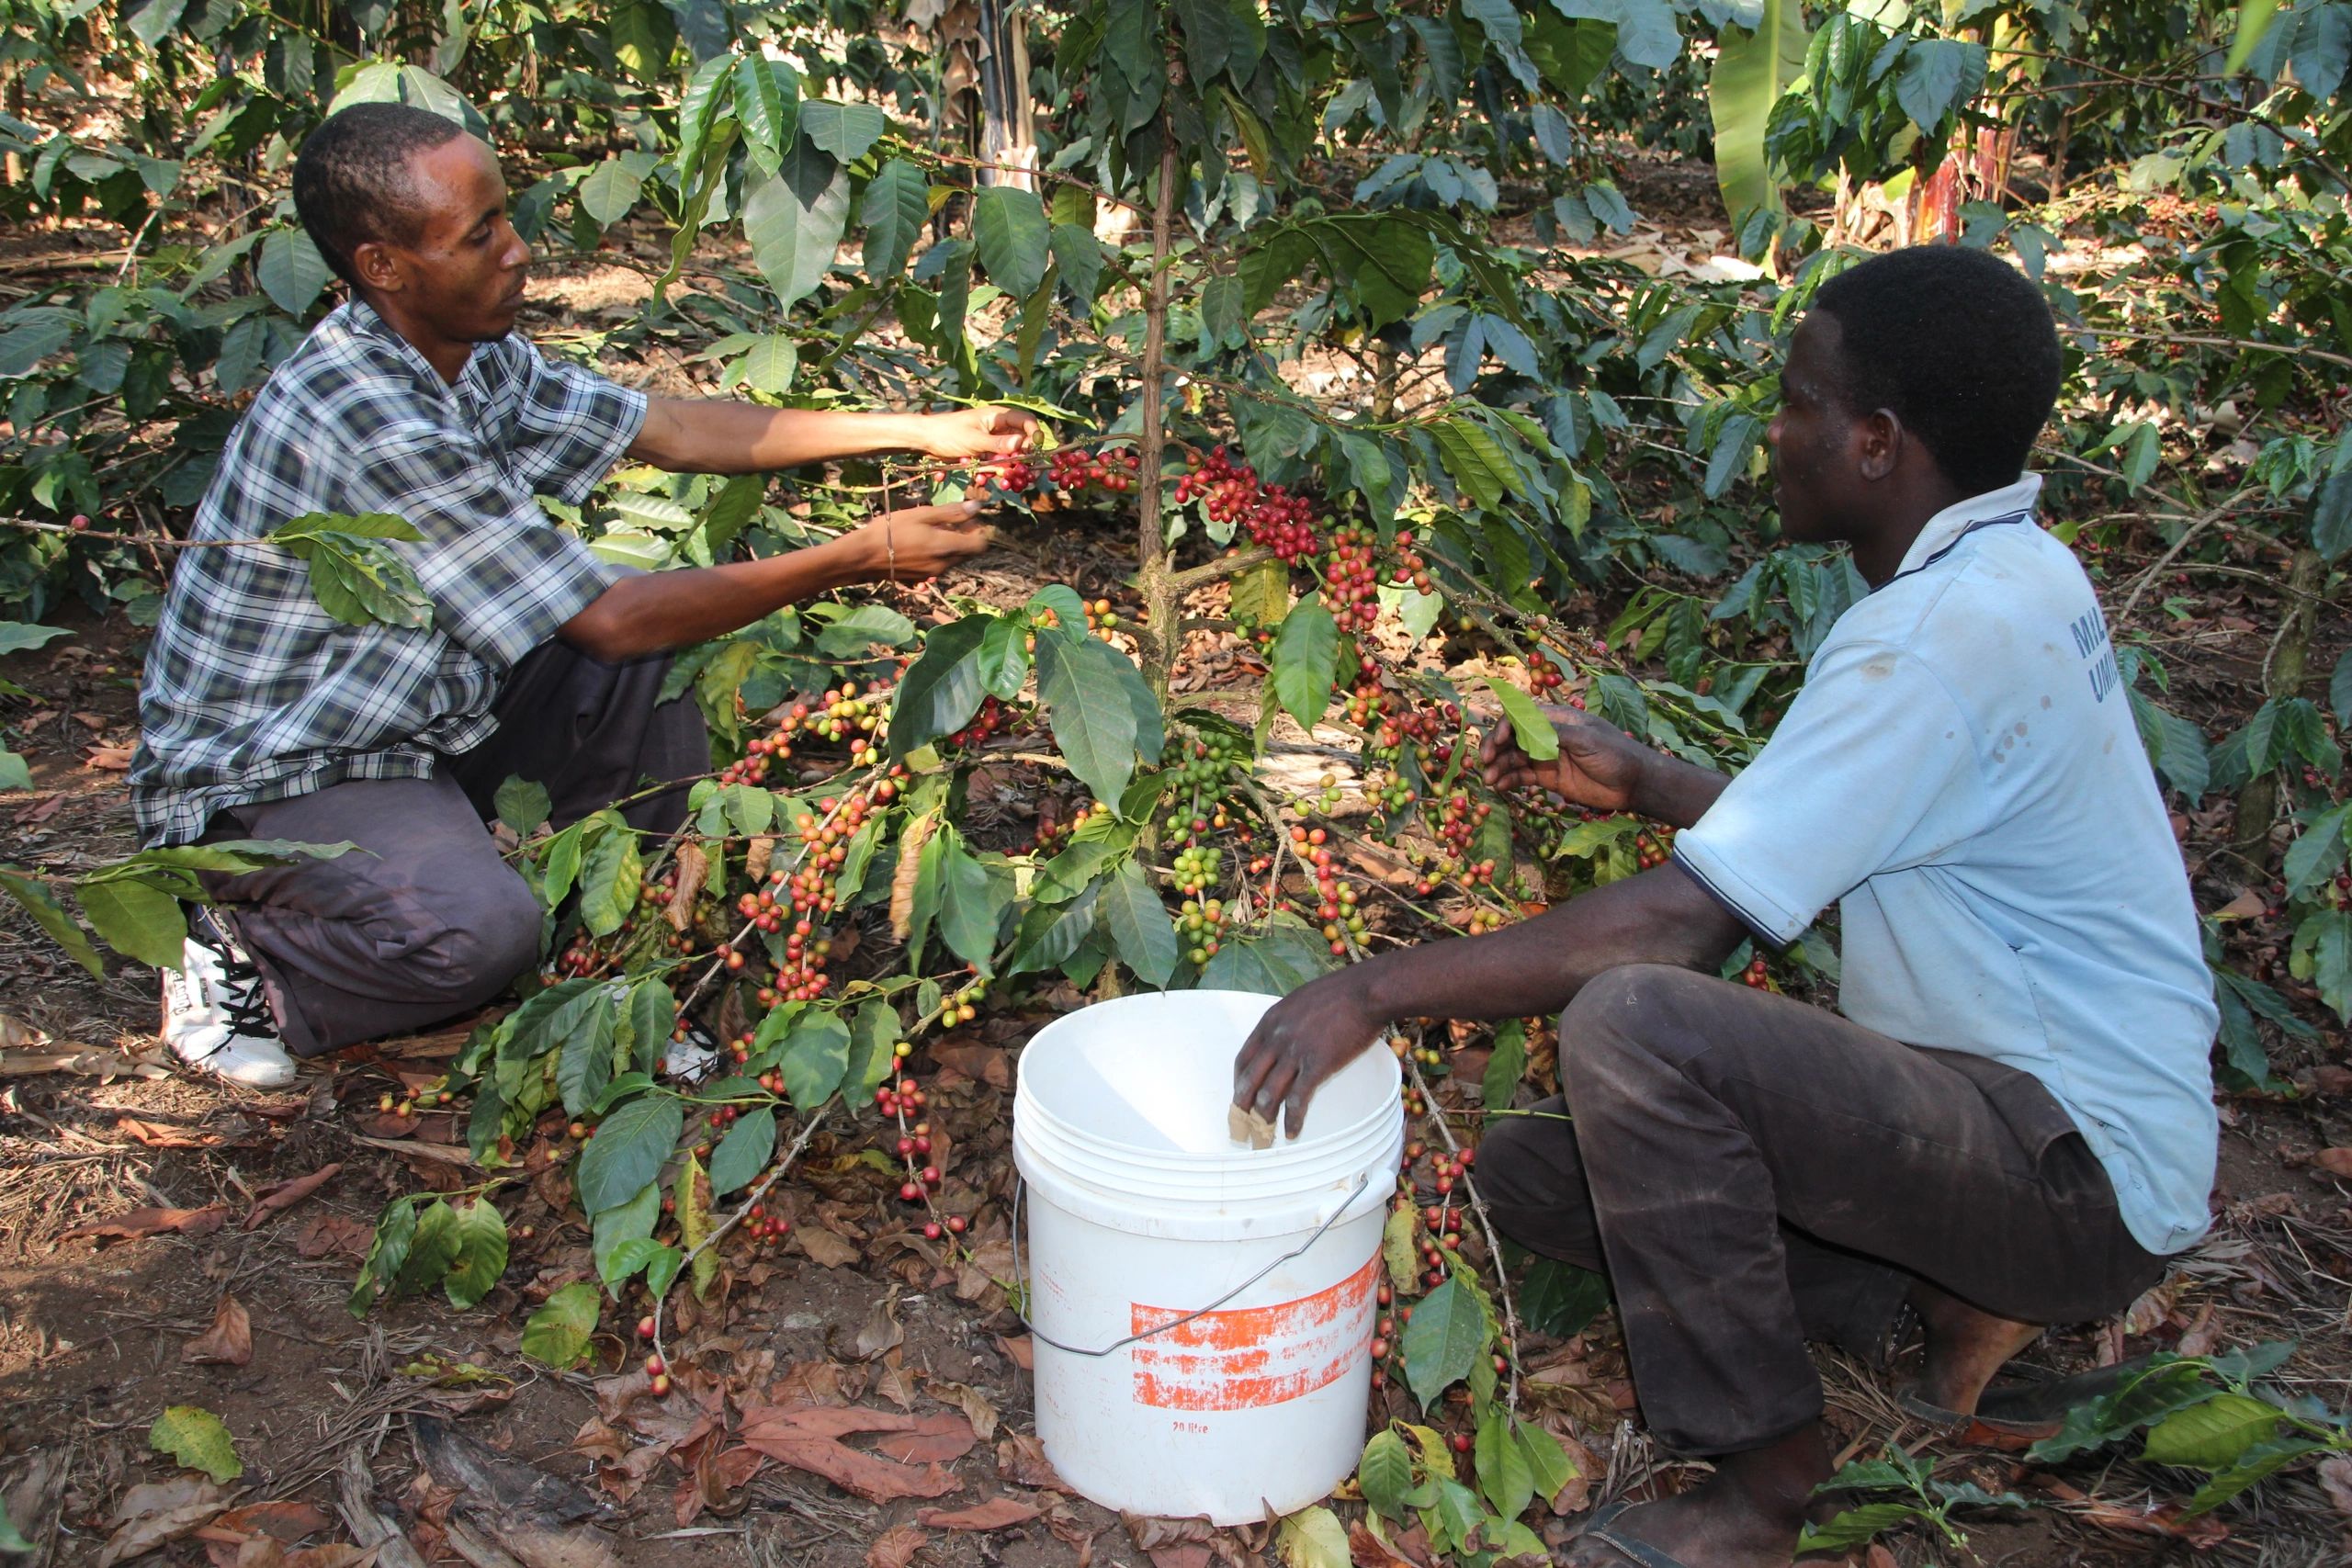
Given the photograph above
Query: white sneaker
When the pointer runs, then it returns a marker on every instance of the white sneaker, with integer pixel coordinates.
(690, 1060)
(215, 1017)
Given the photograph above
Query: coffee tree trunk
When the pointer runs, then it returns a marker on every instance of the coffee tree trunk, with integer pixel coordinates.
(1160, 637)
(2258, 802)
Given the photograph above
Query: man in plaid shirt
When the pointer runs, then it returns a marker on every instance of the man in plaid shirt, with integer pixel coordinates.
(262, 717)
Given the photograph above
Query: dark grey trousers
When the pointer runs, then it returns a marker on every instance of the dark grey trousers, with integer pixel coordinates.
(1751, 1173)
(424, 921)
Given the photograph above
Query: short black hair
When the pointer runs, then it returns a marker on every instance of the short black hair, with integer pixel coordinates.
(352, 184)
(1956, 343)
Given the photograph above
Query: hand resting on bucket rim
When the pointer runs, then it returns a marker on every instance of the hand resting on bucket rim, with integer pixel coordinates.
(1530, 969)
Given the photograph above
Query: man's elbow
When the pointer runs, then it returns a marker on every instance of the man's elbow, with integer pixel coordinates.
(605, 631)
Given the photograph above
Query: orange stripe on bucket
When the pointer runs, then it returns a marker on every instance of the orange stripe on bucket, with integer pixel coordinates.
(1253, 1356)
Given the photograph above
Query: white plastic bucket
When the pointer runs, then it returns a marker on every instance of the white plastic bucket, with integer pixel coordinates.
(1142, 1210)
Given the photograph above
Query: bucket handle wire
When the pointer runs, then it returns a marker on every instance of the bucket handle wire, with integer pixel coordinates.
(1020, 1186)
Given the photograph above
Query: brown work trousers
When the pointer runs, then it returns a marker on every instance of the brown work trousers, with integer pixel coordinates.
(1751, 1172)
(424, 920)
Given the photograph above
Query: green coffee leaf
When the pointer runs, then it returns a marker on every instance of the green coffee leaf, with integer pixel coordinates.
(1132, 915)
(1504, 1475)
(942, 690)
(1443, 1341)
(744, 1153)
(1386, 1472)
(481, 1253)
(2213, 1435)
(627, 1150)
(815, 1057)
(1305, 661)
(558, 1334)
(1533, 731)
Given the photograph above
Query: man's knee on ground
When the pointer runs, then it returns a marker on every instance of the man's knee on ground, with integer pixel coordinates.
(491, 934)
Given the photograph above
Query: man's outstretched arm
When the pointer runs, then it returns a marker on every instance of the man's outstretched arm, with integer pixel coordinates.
(655, 612)
(1527, 970)
(720, 435)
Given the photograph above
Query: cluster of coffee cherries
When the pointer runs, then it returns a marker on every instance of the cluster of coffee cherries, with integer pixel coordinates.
(1411, 570)
(588, 953)
(1342, 923)
(1052, 832)
(1350, 581)
(657, 1372)
(1014, 475)
(1075, 470)
(842, 713)
(1653, 847)
(1198, 922)
(965, 1005)
(1459, 817)
(1101, 619)
(1197, 868)
(914, 1145)
(1203, 767)
(1272, 515)
(1757, 976)
(993, 717)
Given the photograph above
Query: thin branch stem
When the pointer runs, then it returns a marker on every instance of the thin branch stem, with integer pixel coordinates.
(799, 1141)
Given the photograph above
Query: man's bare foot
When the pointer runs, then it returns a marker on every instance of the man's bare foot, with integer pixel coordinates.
(1965, 1347)
(1747, 1515)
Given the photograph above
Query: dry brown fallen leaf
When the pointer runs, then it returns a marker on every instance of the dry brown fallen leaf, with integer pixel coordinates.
(160, 1511)
(995, 1514)
(1366, 1550)
(140, 1222)
(15, 1035)
(809, 1382)
(2336, 1162)
(1021, 1350)
(896, 1547)
(976, 1405)
(2335, 1479)
(333, 1234)
(880, 1331)
(229, 1342)
(289, 1520)
(88, 1061)
(159, 1137)
(108, 758)
(267, 1551)
(895, 1383)
(825, 1247)
(809, 1437)
(281, 1196)
(1020, 1459)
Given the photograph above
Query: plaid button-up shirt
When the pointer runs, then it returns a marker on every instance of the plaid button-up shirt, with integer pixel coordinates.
(255, 693)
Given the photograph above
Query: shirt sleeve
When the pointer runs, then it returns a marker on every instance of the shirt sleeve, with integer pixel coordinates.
(1874, 769)
(502, 578)
(571, 426)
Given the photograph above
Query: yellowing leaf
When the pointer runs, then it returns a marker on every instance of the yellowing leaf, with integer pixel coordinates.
(198, 1439)
(1313, 1538)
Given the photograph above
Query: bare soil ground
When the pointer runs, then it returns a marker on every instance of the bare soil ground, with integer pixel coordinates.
(337, 1418)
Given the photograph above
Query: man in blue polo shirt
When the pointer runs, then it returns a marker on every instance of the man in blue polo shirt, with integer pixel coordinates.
(2011, 1125)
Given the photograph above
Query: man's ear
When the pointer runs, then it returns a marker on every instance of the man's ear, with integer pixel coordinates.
(378, 266)
(1879, 443)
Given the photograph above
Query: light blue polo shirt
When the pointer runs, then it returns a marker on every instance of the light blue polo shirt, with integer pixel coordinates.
(1961, 776)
